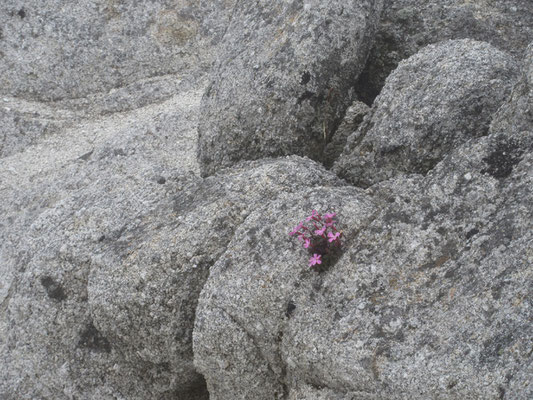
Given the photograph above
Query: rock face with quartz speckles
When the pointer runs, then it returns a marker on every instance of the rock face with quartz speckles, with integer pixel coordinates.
(125, 274)
(63, 63)
(58, 51)
(407, 26)
(437, 99)
(105, 280)
(431, 296)
(284, 79)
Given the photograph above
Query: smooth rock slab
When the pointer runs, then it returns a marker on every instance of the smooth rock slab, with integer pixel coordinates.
(433, 102)
(284, 79)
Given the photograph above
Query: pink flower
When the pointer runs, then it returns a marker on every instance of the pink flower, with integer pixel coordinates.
(329, 219)
(316, 259)
(333, 236)
(321, 230)
(318, 235)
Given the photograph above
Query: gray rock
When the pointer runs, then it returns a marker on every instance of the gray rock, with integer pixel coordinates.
(125, 275)
(244, 308)
(521, 386)
(104, 280)
(305, 391)
(409, 25)
(61, 64)
(352, 119)
(433, 102)
(430, 303)
(144, 296)
(54, 50)
(516, 117)
(70, 201)
(284, 79)
(430, 297)
(22, 125)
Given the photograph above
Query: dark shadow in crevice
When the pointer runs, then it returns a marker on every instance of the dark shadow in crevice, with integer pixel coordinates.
(198, 391)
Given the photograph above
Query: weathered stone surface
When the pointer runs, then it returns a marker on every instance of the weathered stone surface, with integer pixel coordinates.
(304, 391)
(21, 126)
(243, 308)
(69, 201)
(104, 280)
(431, 303)
(62, 63)
(434, 101)
(144, 296)
(284, 79)
(108, 234)
(516, 115)
(54, 50)
(352, 119)
(431, 297)
(409, 25)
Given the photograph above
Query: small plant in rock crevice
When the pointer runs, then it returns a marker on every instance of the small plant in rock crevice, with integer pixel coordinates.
(319, 235)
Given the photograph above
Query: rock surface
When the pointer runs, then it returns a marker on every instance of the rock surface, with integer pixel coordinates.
(61, 64)
(244, 307)
(126, 275)
(107, 272)
(99, 108)
(53, 50)
(431, 297)
(351, 121)
(407, 26)
(284, 79)
(70, 205)
(435, 100)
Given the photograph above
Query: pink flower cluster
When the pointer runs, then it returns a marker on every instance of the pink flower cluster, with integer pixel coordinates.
(318, 234)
